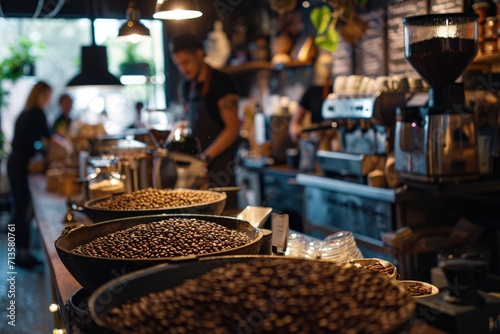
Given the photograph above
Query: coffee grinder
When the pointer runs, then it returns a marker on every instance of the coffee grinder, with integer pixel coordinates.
(436, 139)
(463, 307)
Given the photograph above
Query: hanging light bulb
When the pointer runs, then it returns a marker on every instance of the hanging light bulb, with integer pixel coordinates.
(176, 10)
(133, 30)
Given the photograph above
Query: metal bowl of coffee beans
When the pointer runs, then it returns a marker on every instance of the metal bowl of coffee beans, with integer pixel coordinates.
(419, 289)
(378, 265)
(152, 201)
(252, 295)
(97, 253)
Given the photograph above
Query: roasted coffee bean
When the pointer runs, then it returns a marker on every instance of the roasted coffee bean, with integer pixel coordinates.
(418, 289)
(258, 297)
(379, 267)
(167, 238)
(152, 198)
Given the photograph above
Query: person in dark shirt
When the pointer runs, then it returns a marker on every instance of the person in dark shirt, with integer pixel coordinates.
(211, 99)
(311, 101)
(30, 129)
(63, 122)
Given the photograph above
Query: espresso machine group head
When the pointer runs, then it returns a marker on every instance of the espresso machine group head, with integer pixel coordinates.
(436, 139)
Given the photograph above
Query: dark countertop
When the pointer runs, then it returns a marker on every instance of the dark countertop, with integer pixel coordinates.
(475, 190)
(281, 169)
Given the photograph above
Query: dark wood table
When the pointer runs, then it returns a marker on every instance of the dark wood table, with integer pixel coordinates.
(49, 212)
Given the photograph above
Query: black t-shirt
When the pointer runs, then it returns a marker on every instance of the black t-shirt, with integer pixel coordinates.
(31, 127)
(312, 100)
(221, 85)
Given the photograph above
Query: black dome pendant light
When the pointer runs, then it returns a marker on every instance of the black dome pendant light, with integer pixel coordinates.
(94, 63)
(133, 30)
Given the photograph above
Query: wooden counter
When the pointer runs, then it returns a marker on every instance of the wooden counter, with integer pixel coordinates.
(49, 212)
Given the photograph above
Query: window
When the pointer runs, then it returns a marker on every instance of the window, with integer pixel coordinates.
(58, 61)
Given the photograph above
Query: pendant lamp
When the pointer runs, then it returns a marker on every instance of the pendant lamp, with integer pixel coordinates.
(94, 65)
(133, 30)
(177, 10)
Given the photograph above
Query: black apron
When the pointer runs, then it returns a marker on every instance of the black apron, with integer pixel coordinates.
(206, 129)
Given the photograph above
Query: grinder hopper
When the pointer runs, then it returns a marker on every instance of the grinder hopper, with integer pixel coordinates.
(436, 140)
(440, 47)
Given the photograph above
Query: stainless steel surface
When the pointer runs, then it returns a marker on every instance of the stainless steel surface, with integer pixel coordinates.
(349, 164)
(338, 106)
(134, 164)
(365, 124)
(251, 188)
(382, 194)
(255, 215)
(443, 148)
(378, 107)
(365, 139)
(177, 170)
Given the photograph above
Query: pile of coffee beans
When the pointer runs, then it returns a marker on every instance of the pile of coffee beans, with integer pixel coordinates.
(167, 238)
(417, 289)
(379, 267)
(270, 296)
(152, 198)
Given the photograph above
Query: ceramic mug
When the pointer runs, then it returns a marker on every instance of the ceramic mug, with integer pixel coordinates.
(363, 86)
(339, 84)
(400, 83)
(370, 88)
(352, 83)
(416, 83)
(382, 84)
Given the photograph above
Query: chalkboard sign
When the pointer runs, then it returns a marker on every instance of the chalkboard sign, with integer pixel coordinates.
(397, 10)
(342, 60)
(371, 58)
(446, 6)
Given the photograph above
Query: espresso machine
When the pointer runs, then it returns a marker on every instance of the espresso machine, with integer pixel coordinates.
(436, 139)
(365, 123)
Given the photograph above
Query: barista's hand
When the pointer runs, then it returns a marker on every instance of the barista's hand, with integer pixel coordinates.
(206, 159)
(295, 131)
(180, 125)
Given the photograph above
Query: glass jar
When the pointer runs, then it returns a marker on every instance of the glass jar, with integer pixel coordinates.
(104, 178)
(340, 247)
(300, 245)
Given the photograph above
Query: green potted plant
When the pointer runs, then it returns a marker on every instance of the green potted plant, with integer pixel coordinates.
(134, 64)
(21, 62)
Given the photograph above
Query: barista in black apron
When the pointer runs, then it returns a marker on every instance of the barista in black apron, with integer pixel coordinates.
(212, 104)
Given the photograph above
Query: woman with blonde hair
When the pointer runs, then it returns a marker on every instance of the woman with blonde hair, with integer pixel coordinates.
(30, 129)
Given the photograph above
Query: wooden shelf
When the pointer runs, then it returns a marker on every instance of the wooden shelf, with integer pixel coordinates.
(487, 58)
(264, 65)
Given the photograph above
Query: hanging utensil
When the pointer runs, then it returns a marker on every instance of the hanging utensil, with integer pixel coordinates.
(283, 6)
(350, 26)
(324, 19)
